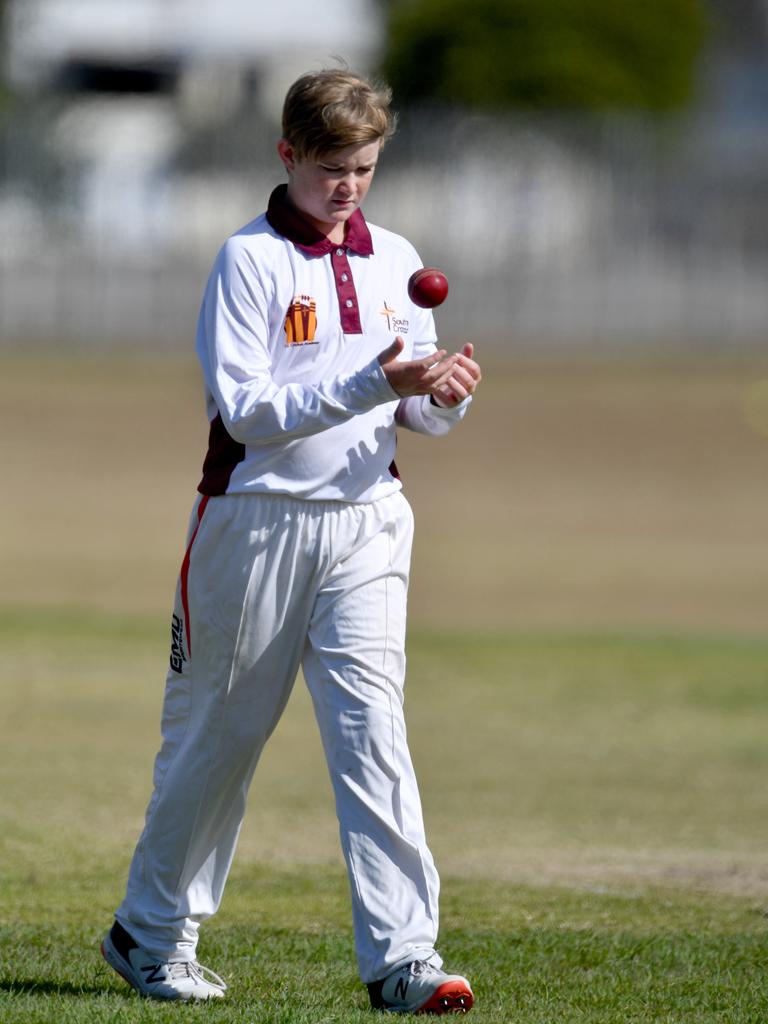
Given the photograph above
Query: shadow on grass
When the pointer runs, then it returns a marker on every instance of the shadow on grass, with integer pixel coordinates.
(33, 986)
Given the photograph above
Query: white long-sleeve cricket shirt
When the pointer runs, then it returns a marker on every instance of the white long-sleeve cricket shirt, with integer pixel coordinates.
(288, 336)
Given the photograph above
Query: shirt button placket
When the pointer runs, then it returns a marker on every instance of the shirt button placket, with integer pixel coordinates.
(345, 290)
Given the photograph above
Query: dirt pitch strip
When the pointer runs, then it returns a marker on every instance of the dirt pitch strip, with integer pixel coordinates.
(627, 496)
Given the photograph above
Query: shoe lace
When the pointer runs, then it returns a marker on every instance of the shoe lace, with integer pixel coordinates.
(419, 967)
(179, 969)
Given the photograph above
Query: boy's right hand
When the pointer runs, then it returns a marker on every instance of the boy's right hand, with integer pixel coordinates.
(418, 376)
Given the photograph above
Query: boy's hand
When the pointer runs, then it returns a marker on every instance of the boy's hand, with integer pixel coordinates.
(427, 376)
(463, 381)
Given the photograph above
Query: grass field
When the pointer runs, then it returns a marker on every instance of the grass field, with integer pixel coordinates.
(586, 700)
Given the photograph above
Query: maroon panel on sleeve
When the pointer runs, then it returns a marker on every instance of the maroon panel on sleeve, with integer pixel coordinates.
(224, 453)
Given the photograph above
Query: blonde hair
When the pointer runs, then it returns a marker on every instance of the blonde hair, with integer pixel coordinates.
(328, 110)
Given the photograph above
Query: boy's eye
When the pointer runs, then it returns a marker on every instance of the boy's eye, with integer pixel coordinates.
(340, 170)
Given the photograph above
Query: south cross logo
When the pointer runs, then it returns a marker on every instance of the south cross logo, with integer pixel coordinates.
(178, 657)
(301, 321)
(398, 324)
(386, 312)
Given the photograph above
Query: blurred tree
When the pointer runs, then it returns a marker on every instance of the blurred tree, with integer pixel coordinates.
(545, 54)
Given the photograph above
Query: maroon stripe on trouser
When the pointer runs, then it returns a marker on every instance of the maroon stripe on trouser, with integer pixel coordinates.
(185, 572)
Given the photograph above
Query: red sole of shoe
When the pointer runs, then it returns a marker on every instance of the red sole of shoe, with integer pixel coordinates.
(452, 997)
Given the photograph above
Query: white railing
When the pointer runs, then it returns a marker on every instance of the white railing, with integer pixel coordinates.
(557, 233)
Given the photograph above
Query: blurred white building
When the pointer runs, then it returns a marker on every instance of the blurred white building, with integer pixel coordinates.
(172, 45)
(143, 132)
(132, 79)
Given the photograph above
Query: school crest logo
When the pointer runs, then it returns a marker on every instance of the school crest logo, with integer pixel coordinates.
(301, 321)
(397, 324)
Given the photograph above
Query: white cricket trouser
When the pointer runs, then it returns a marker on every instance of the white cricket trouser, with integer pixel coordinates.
(270, 583)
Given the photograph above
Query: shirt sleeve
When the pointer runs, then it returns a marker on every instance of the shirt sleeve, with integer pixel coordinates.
(418, 413)
(232, 344)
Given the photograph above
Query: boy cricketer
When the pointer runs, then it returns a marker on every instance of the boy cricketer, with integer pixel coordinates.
(298, 555)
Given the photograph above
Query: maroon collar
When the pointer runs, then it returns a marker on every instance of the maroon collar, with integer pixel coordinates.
(288, 222)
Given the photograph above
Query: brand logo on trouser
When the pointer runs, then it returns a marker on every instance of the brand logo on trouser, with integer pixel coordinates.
(178, 656)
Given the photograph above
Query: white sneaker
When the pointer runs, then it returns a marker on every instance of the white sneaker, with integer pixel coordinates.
(174, 979)
(420, 987)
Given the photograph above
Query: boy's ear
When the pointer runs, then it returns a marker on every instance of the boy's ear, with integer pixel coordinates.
(285, 152)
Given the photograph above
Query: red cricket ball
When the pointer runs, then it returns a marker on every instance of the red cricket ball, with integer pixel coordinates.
(427, 287)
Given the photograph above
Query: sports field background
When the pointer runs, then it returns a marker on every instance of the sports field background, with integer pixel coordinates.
(588, 611)
(585, 698)
(592, 496)
(588, 653)
(629, 495)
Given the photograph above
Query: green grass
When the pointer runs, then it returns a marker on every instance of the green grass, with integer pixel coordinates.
(283, 942)
(596, 803)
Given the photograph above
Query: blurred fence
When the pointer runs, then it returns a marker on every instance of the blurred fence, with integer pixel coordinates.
(555, 233)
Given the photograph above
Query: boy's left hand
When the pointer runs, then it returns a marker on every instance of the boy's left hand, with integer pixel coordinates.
(463, 381)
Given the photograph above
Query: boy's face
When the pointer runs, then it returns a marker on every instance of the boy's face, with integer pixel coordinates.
(328, 188)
